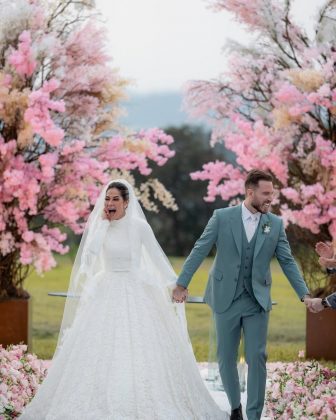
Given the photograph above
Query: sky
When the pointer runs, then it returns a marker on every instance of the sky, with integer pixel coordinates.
(161, 44)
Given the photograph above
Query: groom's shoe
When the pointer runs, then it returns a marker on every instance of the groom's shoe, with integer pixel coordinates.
(237, 414)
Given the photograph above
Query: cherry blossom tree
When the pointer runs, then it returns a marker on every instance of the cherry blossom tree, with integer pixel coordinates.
(275, 108)
(60, 139)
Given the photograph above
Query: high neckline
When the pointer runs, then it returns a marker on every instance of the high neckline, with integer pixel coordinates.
(117, 222)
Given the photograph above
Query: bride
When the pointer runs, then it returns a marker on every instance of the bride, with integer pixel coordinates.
(123, 350)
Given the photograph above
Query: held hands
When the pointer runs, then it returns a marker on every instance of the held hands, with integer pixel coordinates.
(180, 294)
(308, 302)
(315, 305)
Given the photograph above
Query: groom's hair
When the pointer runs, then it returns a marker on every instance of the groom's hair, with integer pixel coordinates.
(256, 175)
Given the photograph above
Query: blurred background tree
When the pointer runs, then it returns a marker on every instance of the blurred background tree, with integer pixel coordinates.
(178, 231)
(60, 137)
(274, 107)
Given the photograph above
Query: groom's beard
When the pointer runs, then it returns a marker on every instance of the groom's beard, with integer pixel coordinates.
(261, 207)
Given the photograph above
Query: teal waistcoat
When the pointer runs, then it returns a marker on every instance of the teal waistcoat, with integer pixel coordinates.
(244, 283)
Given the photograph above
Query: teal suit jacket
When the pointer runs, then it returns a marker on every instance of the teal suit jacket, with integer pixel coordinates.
(224, 230)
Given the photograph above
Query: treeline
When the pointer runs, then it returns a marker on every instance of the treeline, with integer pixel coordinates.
(177, 231)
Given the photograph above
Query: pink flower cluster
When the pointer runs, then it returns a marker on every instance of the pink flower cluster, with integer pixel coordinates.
(56, 154)
(136, 151)
(23, 59)
(275, 108)
(301, 391)
(215, 172)
(20, 375)
(38, 113)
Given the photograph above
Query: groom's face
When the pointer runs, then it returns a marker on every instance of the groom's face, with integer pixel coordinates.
(261, 196)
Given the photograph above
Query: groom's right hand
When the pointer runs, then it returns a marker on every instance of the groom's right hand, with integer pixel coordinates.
(180, 294)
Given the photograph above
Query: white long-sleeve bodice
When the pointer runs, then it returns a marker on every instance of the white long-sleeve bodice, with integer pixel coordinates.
(121, 245)
(116, 249)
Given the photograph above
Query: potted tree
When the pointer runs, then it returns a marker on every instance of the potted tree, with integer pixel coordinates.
(274, 108)
(58, 144)
(319, 342)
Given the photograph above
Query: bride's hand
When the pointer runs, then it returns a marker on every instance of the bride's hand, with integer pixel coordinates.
(180, 294)
(106, 215)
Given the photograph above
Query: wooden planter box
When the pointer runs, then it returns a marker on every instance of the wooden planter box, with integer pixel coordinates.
(320, 335)
(15, 322)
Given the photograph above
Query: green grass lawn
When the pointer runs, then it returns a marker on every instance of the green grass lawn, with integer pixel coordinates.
(287, 322)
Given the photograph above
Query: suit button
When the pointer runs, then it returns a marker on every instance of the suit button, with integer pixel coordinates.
(245, 266)
(236, 279)
(238, 266)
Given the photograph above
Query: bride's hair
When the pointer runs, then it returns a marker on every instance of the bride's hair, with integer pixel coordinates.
(121, 187)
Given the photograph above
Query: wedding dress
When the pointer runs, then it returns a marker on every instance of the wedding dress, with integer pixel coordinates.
(125, 355)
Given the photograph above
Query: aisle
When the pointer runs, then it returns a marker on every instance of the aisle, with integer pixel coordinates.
(219, 396)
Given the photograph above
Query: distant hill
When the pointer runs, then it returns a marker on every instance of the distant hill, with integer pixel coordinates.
(161, 110)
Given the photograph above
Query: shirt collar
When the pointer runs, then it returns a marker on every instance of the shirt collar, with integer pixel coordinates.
(246, 214)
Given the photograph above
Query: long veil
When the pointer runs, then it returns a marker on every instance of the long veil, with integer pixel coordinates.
(87, 263)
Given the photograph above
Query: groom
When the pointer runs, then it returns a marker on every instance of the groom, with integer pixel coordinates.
(238, 290)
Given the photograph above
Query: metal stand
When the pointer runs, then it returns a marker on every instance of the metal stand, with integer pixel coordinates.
(213, 370)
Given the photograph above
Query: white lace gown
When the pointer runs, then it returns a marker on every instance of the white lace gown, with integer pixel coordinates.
(124, 357)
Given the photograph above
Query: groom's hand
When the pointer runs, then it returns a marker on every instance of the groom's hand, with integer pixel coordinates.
(180, 294)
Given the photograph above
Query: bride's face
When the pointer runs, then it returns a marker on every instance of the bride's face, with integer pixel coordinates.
(115, 205)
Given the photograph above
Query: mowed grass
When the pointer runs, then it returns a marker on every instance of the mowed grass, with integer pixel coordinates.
(287, 322)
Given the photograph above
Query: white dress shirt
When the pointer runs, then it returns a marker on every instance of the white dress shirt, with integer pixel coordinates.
(250, 221)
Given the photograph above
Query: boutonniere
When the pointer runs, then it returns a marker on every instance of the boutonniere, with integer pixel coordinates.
(266, 228)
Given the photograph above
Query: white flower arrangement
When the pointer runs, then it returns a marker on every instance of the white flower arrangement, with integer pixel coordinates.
(266, 228)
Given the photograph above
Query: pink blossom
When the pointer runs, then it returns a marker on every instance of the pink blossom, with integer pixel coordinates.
(38, 113)
(56, 174)
(23, 59)
(48, 162)
(7, 243)
(75, 147)
(274, 108)
(26, 254)
(289, 94)
(28, 236)
(20, 375)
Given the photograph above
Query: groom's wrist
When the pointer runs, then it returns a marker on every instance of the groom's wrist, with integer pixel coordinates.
(307, 295)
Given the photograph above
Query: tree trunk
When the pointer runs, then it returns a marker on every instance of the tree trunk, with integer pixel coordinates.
(12, 274)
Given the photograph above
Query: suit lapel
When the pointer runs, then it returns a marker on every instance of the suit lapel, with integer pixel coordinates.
(236, 227)
(260, 235)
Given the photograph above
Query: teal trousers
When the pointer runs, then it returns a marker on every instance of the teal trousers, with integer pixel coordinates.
(247, 316)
